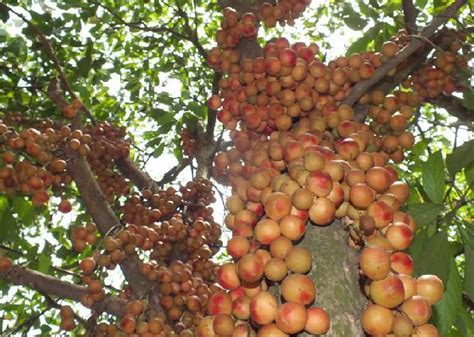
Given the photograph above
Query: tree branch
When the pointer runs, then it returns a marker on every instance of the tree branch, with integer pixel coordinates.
(52, 286)
(410, 13)
(454, 107)
(174, 172)
(363, 86)
(96, 203)
(211, 114)
(140, 178)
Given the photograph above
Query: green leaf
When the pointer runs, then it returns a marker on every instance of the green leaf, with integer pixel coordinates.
(433, 177)
(24, 209)
(468, 100)
(469, 271)
(465, 323)
(460, 158)
(362, 43)
(446, 310)
(469, 173)
(432, 256)
(44, 263)
(8, 225)
(425, 213)
(352, 19)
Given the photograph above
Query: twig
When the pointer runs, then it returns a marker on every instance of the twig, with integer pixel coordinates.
(410, 13)
(454, 106)
(174, 172)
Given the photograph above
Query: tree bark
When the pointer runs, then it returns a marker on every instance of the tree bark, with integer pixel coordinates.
(335, 272)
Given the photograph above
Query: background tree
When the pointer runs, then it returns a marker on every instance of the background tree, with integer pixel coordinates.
(120, 59)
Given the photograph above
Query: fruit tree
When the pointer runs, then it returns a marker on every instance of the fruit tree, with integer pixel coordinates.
(337, 136)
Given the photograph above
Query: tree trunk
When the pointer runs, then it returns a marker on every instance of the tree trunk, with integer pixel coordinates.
(336, 275)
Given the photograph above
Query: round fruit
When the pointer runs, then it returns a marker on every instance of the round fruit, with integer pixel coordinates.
(291, 317)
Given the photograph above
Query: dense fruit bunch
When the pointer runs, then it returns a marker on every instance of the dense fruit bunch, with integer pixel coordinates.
(35, 157)
(282, 12)
(189, 142)
(175, 235)
(300, 154)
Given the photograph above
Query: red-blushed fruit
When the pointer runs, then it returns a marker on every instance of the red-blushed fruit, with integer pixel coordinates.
(293, 227)
(402, 326)
(375, 263)
(378, 178)
(381, 212)
(266, 231)
(223, 325)
(302, 199)
(399, 235)
(388, 292)
(238, 246)
(318, 322)
(280, 247)
(323, 212)
(214, 102)
(227, 276)
(402, 263)
(219, 303)
(87, 265)
(270, 330)
(299, 260)
(417, 309)
(361, 195)
(291, 317)
(277, 205)
(128, 324)
(430, 287)
(65, 206)
(275, 269)
(263, 308)
(377, 320)
(205, 327)
(319, 182)
(250, 268)
(409, 285)
(5, 264)
(426, 330)
(241, 307)
(298, 288)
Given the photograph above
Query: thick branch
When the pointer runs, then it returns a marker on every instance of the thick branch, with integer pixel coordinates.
(454, 106)
(410, 13)
(96, 203)
(52, 286)
(391, 82)
(363, 86)
(139, 178)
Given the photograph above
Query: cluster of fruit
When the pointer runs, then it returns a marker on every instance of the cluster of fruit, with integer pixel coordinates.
(176, 232)
(189, 142)
(282, 12)
(300, 155)
(34, 158)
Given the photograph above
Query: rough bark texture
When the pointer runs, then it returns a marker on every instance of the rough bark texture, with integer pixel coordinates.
(50, 285)
(335, 273)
